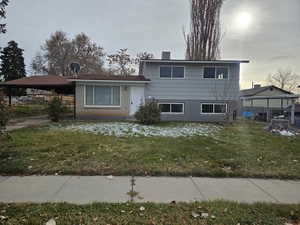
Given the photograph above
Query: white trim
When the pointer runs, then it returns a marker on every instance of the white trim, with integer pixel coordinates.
(172, 78)
(173, 103)
(227, 67)
(111, 81)
(213, 113)
(195, 62)
(100, 106)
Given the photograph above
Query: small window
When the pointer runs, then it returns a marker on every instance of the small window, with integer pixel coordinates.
(213, 108)
(165, 72)
(172, 72)
(207, 108)
(216, 73)
(177, 108)
(165, 108)
(178, 72)
(169, 108)
(222, 73)
(220, 108)
(209, 72)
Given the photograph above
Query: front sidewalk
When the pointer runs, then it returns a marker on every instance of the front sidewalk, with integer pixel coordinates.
(87, 189)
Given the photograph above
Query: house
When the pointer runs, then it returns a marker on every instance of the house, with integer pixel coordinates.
(268, 101)
(185, 90)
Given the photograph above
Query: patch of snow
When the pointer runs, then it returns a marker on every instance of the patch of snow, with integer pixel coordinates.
(133, 129)
(284, 132)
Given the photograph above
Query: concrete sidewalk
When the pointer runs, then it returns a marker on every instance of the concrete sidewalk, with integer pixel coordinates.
(81, 190)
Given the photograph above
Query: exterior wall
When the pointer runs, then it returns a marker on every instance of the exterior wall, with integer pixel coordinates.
(121, 112)
(192, 111)
(194, 86)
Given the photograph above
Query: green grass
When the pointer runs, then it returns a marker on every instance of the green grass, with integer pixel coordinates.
(225, 213)
(27, 110)
(239, 150)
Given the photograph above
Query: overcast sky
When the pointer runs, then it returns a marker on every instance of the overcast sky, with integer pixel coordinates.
(267, 32)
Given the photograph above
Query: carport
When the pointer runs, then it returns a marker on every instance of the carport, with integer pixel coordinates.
(59, 84)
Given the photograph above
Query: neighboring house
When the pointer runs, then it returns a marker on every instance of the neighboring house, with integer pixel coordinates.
(185, 90)
(268, 101)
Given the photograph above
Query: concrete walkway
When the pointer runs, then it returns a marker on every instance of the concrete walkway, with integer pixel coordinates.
(81, 190)
(26, 122)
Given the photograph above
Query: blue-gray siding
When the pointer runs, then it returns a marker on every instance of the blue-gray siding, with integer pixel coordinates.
(194, 86)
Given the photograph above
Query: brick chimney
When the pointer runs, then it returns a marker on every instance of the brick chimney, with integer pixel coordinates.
(165, 55)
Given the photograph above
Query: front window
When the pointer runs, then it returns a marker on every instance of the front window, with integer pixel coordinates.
(216, 73)
(172, 72)
(102, 95)
(169, 108)
(213, 108)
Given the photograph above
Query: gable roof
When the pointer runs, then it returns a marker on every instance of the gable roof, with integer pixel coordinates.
(254, 91)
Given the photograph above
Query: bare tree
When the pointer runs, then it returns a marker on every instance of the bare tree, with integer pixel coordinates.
(3, 4)
(285, 79)
(202, 43)
(142, 56)
(59, 52)
(121, 63)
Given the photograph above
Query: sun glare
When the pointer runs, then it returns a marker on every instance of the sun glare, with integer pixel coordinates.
(243, 20)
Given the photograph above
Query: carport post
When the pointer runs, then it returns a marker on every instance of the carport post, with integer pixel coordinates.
(293, 112)
(74, 107)
(9, 96)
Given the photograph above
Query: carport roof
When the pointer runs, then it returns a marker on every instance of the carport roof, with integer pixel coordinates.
(47, 80)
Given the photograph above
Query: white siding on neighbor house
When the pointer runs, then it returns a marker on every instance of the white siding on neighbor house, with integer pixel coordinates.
(193, 86)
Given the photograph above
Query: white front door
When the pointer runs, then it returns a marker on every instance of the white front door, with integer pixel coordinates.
(137, 97)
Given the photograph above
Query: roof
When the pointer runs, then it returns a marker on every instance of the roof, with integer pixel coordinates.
(195, 61)
(96, 77)
(46, 80)
(254, 91)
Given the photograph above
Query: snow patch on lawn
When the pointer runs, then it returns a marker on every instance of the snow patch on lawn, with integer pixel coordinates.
(284, 132)
(133, 129)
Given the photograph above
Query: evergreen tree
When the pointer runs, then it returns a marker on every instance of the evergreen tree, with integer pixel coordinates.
(12, 64)
(3, 4)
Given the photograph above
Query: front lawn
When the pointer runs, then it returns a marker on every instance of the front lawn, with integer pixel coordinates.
(242, 149)
(206, 213)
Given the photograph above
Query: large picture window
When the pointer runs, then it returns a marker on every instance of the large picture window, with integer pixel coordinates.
(172, 72)
(216, 108)
(171, 108)
(102, 95)
(216, 73)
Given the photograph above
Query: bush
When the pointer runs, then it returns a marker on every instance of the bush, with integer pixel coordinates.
(148, 113)
(55, 109)
(4, 114)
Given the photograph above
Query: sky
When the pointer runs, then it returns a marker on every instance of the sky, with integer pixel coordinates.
(265, 32)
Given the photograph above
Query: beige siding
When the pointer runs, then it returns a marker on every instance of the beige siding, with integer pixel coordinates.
(121, 111)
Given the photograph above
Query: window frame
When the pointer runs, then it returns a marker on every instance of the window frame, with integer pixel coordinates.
(216, 67)
(214, 111)
(102, 106)
(173, 103)
(172, 78)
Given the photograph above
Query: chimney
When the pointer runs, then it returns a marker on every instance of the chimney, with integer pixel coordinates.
(257, 86)
(166, 55)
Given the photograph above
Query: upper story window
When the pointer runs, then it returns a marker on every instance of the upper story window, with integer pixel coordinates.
(215, 72)
(172, 72)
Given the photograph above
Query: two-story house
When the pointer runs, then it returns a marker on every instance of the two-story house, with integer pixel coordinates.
(185, 90)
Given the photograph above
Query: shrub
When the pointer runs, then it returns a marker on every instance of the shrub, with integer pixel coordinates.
(4, 114)
(148, 113)
(55, 109)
